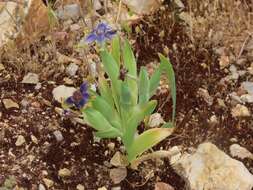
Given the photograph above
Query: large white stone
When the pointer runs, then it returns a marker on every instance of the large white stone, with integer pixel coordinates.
(62, 92)
(209, 168)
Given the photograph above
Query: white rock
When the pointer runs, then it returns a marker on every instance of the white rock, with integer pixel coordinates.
(211, 169)
(111, 146)
(58, 135)
(237, 151)
(240, 111)
(34, 139)
(41, 187)
(9, 103)
(80, 187)
(118, 160)
(38, 86)
(234, 73)
(72, 69)
(31, 78)
(155, 120)
(248, 86)
(179, 4)
(118, 174)
(20, 140)
(71, 11)
(142, 6)
(97, 5)
(235, 97)
(247, 98)
(62, 92)
(224, 61)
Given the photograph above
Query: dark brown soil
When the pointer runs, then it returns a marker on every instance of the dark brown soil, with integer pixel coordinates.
(86, 158)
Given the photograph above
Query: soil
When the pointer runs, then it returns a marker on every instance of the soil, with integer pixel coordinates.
(196, 66)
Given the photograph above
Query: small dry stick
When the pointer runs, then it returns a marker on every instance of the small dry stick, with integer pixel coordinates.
(119, 11)
(155, 155)
(243, 45)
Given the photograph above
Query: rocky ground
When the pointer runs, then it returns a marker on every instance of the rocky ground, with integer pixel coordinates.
(211, 48)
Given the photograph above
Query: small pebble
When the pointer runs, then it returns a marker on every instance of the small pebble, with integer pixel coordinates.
(80, 187)
(240, 111)
(64, 172)
(58, 135)
(48, 182)
(30, 78)
(34, 139)
(41, 187)
(111, 146)
(9, 103)
(72, 69)
(20, 140)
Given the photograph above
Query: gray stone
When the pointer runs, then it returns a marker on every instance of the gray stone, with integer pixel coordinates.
(118, 174)
(142, 6)
(58, 135)
(248, 86)
(71, 11)
(30, 78)
(72, 69)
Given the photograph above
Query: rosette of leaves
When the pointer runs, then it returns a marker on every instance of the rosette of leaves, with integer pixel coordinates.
(122, 103)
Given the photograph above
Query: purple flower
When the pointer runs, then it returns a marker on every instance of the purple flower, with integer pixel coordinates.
(79, 97)
(101, 33)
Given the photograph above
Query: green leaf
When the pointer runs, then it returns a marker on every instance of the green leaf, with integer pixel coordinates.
(105, 90)
(130, 65)
(143, 86)
(166, 66)
(154, 81)
(111, 68)
(107, 111)
(110, 133)
(168, 125)
(125, 96)
(96, 119)
(116, 49)
(147, 140)
(138, 114)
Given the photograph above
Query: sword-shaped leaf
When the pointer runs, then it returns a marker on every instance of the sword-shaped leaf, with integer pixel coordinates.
(154, 81)
(116, 49)
(106, 110)
(130, 65)
(96, 119)
(144, 86)
(147, 140)
(138, 114)
(166, 67)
